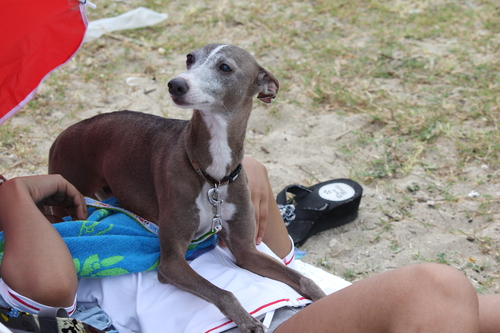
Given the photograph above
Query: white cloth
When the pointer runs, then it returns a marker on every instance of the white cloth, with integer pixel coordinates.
(139, 303)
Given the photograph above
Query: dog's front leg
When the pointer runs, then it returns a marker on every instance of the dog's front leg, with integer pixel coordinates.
(242, 243)
(173, 269)
(248, 257)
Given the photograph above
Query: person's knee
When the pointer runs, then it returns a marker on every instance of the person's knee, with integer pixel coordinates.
(439, 273)
(444, 280)
(438, 296)
(57, 293)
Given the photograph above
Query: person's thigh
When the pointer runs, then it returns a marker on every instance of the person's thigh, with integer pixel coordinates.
(427, 298)
(489, 313)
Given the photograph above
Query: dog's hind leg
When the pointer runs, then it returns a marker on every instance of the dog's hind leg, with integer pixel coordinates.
(67, 158)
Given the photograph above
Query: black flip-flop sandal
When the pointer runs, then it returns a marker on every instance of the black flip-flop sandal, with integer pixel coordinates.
(320, 207)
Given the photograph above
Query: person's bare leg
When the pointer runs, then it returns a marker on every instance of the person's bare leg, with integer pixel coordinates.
(276, 236)
(489, 313)
(419, 298)
(270, 226)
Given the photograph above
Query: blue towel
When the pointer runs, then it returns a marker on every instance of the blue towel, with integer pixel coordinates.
(114, 241)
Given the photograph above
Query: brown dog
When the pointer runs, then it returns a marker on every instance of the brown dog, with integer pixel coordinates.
(183, 175)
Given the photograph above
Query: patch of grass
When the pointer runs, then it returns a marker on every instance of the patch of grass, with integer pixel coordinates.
(383, 227)
(480, 145)
(478, 268)
(382, 168)
(324, 263)
(419, 257)
(15, 148)
(9, 136)
(448, 19)
(441, 258)
(395, 246)
(350, 275)
(488, 245)
(487, 284)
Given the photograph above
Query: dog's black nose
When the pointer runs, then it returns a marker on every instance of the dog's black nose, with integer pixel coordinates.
(178, 87)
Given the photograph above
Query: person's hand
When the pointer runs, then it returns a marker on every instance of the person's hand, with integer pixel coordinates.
(260, 189)
(47, 190)
(35, 255)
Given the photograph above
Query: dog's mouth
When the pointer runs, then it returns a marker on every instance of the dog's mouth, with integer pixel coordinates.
(179, 101)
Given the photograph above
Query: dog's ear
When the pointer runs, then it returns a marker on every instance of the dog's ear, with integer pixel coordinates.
(268, 85)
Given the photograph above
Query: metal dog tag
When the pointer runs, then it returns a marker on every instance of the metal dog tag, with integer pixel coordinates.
(213, 196)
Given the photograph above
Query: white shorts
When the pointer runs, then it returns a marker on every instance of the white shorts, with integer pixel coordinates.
(279, 317)
(22, 303)
(132, 300)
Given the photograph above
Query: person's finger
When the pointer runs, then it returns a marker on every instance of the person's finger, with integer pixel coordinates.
(76, 200)
(54, 190)
(222, 243)
(256, 208)
(261, 221)
(262, 213)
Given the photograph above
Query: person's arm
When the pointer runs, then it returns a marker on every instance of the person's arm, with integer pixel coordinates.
(36, 262)
(270, 226)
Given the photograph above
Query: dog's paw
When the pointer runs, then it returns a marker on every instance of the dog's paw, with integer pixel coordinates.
(310, 289)
(254, 327)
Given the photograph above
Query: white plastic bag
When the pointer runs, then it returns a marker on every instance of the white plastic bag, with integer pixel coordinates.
(136, 18)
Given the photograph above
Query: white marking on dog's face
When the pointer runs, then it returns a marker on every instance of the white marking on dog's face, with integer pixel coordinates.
(206, 213)
(207, 80)
(214, 52)
(202, 80)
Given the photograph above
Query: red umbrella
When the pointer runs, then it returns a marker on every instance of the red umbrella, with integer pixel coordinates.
(36, 37)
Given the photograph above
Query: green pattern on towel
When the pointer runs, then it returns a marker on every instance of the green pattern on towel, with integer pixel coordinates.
(113, 241)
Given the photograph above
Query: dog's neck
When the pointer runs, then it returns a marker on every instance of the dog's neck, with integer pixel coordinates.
(215, 144)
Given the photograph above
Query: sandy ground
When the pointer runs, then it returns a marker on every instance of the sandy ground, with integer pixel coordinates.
(396, 226)
(401, 221)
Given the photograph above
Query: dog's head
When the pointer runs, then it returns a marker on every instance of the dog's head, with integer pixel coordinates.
(221, 78)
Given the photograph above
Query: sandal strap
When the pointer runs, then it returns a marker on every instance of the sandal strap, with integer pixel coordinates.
(47, 318)
(298, 190)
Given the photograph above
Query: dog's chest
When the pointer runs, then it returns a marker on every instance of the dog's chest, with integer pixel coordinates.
(207, 212)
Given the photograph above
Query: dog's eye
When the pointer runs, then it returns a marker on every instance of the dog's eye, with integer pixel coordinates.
(225, 68)
(189, 59)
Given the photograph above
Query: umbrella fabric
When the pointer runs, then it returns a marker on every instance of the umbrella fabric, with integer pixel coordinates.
(36, 37)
